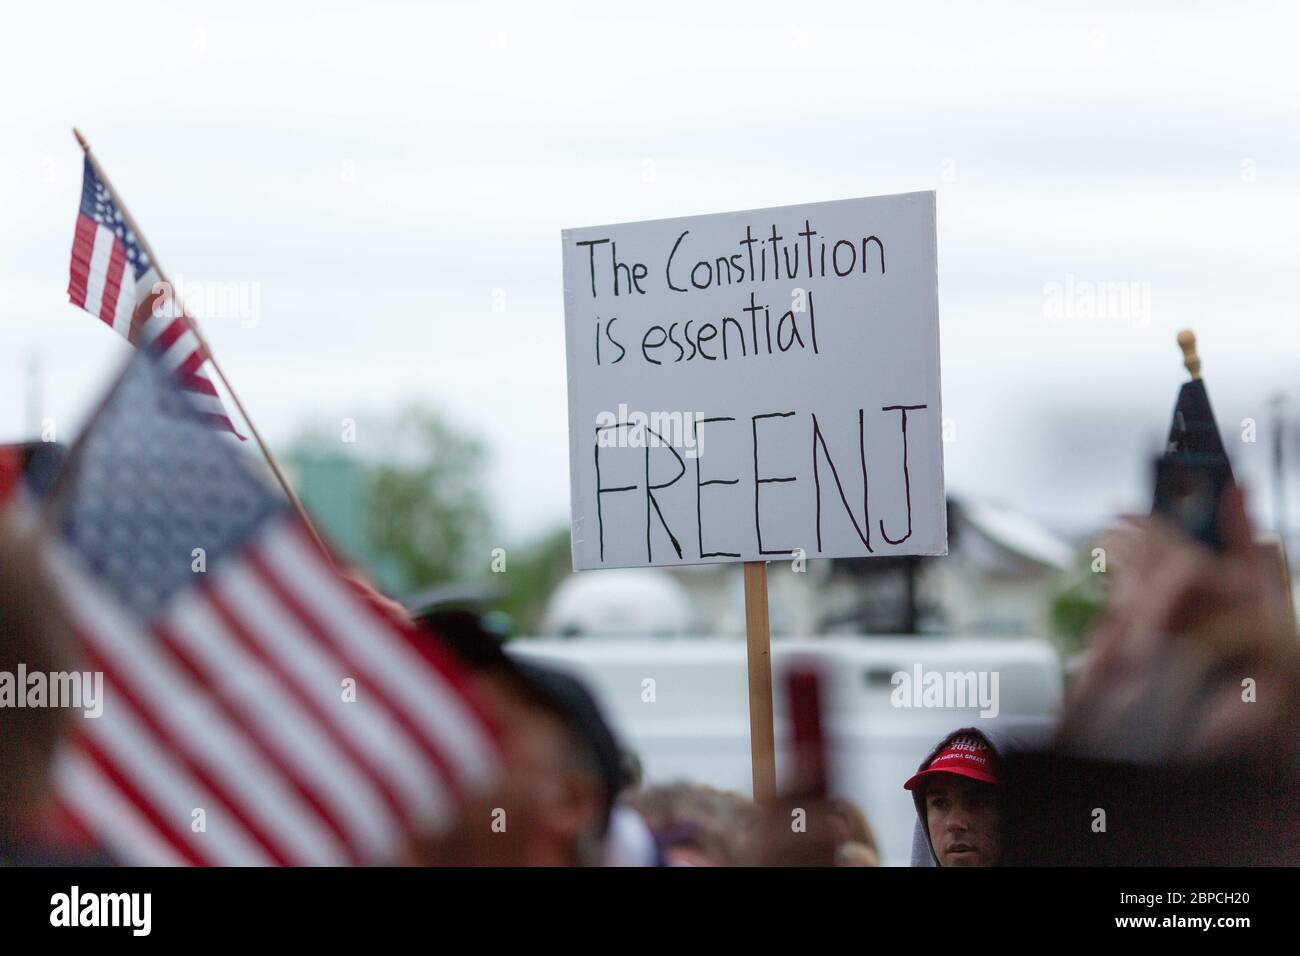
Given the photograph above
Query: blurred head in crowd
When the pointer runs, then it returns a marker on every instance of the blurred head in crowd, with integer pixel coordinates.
(33, 634)
(956, 791)
(855, 844)
(561, 758)
(696, 825)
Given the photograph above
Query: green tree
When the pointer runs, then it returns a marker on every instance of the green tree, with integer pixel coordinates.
(532, 572)
(406, 501)
(424, 501)
(1074, 606)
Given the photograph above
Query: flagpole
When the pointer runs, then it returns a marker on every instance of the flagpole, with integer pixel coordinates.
(207, 350)
(1191, 361)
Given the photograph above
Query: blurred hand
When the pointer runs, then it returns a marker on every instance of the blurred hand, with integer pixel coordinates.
(1183, 630)
(362, 586)
(799, 827)
(796, 832)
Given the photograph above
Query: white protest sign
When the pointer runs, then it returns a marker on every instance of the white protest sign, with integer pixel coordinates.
(755, 386)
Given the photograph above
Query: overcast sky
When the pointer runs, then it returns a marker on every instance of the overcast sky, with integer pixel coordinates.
(385, 173)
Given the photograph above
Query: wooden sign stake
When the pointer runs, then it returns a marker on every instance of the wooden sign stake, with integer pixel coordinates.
(758, 646)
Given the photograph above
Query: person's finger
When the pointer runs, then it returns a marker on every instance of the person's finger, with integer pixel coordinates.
(1234, 523)
(1119, 545)
(1167, 561)
(1102, 661)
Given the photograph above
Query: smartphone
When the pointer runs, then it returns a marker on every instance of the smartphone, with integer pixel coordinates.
(1189, 492)
(807, 737)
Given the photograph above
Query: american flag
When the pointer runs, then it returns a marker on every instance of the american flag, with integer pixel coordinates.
(247, 685)
(113, 279)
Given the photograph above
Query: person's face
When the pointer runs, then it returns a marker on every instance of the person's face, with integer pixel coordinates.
(532, 738)
(964, 820)
(561, 803)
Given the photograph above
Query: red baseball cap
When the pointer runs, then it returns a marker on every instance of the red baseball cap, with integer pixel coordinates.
(964, 755)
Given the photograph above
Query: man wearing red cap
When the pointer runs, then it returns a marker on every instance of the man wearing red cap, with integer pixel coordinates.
(957, 803)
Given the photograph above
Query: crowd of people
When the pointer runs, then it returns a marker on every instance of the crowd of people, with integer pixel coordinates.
(1192, 673)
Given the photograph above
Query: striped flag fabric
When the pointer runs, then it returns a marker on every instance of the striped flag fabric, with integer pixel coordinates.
(258, 709)
(113, 279)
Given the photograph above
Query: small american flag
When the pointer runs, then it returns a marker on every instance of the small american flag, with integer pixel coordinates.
(246, 680)
(113, 279)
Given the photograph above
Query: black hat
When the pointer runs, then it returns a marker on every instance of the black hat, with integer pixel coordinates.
(481, 650)
(567, 698)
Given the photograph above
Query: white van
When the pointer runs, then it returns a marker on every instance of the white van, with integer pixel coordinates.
(683, 706)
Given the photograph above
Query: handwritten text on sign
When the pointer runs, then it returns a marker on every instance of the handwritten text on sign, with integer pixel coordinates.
(752, 386)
